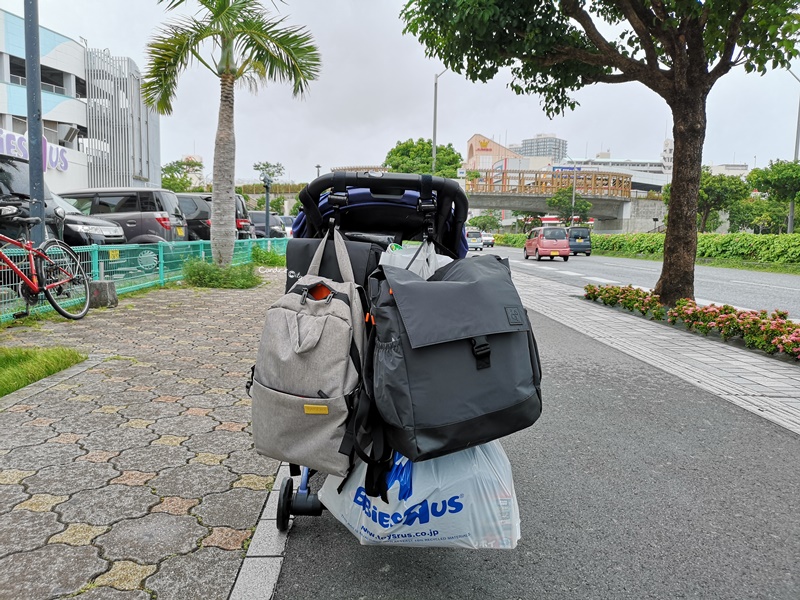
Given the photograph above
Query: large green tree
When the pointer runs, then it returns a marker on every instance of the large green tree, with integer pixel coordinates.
(561, 203)
(716, 193)
(678, 49)
(417, 157)
(240, 44)
(781, 180)
(178, 174)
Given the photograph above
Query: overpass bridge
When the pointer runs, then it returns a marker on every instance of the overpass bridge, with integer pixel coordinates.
(616, 207)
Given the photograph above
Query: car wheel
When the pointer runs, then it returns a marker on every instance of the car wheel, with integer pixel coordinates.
(481, 249)
(525, 253)
(536, 254)
(566, 258)
(588, 254)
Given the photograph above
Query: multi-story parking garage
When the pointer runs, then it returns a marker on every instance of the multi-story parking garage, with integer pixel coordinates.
(97, 130)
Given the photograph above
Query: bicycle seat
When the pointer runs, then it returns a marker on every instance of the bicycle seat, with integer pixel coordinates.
(26, 220)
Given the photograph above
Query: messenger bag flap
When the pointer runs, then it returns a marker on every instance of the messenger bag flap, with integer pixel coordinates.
(475, 297)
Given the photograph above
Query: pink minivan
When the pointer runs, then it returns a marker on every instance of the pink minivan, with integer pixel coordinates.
(547, 241)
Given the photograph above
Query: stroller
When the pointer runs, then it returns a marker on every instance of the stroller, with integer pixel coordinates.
(377, 208)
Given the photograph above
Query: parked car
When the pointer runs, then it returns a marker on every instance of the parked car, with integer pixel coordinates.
(287, 221)
(580, 240)
(197, 210)
(146, 215)
(62, 220)
(547, 241)
(474, 240)
(276, 227)
(488, 239)
(80, 230)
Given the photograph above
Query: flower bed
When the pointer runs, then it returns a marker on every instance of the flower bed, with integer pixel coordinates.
(769, 332)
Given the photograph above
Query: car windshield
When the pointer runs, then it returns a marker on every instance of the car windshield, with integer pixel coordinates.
(258, 216)
(287, 221)
(68, 208)
(555, 233)
(579, 233)
(14, 177)
(473, 234)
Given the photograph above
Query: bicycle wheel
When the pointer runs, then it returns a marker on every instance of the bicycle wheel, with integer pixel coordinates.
(62, 267)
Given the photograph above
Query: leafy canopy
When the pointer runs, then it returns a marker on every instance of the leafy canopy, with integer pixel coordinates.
(561, 203)
(243, 42)
(555, 48)
(417, 157)
(267, 168)
(486, 222)
(177, 175)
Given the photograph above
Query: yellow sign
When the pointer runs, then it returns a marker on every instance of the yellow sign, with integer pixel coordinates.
(180, 231)
(113, 255)
(315, 409)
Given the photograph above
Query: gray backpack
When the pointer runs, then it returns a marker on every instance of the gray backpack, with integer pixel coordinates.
(307, 376)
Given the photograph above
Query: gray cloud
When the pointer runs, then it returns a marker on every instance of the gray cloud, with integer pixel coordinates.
(376, 88)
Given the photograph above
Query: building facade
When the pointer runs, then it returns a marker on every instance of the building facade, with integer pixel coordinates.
(544, 144)
(97, 131)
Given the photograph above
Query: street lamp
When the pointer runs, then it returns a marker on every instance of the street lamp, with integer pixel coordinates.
(318, 168)
(267, 181)
(790, 224)
(435, 99)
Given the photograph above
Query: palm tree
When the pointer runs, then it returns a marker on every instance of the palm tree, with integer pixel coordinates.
(244, 45)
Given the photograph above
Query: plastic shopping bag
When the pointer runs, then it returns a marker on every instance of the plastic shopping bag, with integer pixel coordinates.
(465, 499)
(422, 260)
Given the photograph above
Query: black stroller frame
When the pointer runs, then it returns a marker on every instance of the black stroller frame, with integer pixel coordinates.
(439, 216)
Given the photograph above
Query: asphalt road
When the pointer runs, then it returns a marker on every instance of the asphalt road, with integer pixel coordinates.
(633, 484)
(744, 289)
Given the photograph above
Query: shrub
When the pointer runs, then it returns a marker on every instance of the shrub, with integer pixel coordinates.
(768, 332)
(209, 275)
(268, 258)
(515, 240)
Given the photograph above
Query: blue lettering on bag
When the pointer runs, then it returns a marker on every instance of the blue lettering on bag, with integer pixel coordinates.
(421, 512)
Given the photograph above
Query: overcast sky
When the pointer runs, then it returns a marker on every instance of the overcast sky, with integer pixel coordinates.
(376, 88)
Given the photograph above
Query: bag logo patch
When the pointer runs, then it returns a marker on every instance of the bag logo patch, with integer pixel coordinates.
(315, 409)
(514, 315)
(421, 512)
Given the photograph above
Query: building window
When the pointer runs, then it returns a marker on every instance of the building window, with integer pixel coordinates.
(50, 130)
(19, 125)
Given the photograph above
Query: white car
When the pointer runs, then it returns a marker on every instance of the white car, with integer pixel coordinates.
(488, 239)
(474, 240)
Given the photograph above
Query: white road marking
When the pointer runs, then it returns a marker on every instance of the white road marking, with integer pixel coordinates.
(546, 268)
(630, 267)
(777, 287)
(601, 280)
(570, 273)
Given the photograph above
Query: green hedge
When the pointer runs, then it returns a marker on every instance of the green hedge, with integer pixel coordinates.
(783, 248)
(515, 240)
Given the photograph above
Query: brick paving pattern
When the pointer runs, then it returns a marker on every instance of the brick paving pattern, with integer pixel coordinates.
(133, 475)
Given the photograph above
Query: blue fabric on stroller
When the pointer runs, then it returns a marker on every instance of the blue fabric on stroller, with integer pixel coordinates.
(370, 213)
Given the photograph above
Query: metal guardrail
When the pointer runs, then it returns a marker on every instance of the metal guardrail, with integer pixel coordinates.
(130, 266)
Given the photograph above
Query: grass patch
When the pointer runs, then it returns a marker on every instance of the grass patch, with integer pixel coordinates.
(268, 258)
(22, 366)
(202, 274)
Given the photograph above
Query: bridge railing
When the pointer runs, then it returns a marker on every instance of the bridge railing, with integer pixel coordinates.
(547, 183)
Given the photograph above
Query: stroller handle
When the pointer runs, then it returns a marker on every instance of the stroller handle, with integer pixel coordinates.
(384, 183)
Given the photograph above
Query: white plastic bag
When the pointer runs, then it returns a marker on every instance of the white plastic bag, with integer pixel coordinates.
(464, 500)
(425, 263)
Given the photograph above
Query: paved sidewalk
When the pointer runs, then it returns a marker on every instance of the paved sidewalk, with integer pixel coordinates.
(132, 475)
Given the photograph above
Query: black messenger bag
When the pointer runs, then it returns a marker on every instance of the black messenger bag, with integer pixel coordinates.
(363, 255)
(455, 362)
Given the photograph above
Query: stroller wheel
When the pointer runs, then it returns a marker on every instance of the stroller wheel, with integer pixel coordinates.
(284, 504)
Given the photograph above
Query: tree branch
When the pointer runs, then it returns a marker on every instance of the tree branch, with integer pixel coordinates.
(725, 60)
(637, 16)
(573, 9)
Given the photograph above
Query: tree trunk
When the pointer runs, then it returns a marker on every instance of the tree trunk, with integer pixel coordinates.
(706, 213)
(680, 243)
(223, 205)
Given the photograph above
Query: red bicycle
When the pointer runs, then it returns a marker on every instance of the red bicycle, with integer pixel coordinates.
(53, 268)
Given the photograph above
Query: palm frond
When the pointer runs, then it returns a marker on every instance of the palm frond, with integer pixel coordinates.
(169, 52)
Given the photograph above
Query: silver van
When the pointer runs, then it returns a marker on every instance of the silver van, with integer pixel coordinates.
(146, 215)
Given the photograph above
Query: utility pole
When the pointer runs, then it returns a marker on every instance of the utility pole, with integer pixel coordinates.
(33, 86)
(435, 99)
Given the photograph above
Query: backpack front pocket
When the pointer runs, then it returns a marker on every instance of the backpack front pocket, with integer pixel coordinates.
(301, 430)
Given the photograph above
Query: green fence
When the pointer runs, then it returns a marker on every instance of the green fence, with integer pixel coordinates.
(130, 266)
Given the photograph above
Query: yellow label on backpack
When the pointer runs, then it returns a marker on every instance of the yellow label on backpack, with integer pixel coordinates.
(315, 409)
